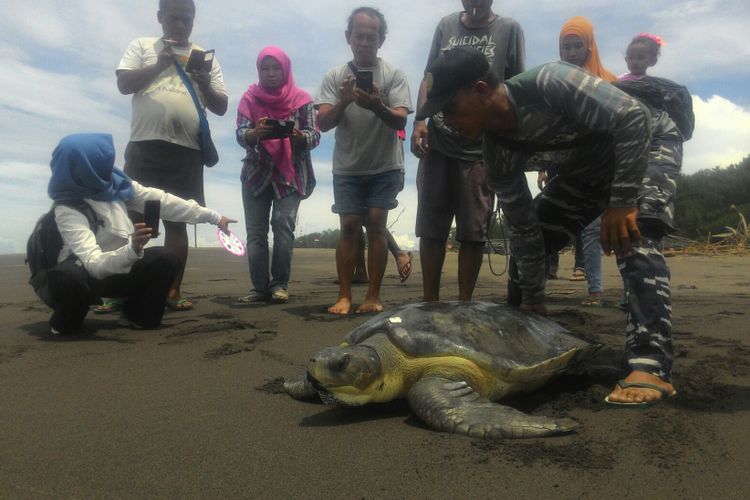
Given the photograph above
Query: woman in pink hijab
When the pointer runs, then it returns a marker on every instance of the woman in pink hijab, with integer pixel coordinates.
(277, 127)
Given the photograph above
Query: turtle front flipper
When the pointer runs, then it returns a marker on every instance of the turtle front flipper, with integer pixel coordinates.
(299, 387)
(450, 406)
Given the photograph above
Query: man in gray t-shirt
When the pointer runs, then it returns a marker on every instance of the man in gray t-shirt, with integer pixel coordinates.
(368, 158)
(451, 179)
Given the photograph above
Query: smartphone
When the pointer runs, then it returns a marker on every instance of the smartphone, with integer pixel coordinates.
(151, 213)
(280, 128)
(364, 80)
(200, 60)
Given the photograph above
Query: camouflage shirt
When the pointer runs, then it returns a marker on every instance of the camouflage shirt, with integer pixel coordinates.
(593, 123)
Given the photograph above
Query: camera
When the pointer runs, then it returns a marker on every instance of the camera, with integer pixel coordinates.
(364, 80)
(280, 128)
(151, 215)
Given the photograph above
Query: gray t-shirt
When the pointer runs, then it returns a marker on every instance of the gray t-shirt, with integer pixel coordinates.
(364, 144)
(502, 43)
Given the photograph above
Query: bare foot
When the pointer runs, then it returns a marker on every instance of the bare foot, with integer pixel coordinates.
(371, 304)
(342, 307)
(640, 394)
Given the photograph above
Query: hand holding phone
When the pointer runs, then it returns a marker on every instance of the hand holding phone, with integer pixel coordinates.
(279, 128)
(200, 61)
(364, 80)
(151, 214)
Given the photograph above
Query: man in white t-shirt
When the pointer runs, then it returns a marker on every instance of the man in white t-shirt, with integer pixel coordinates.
(368, 157)
(164, 148)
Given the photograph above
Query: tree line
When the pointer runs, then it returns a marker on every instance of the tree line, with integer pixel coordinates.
(705, 200)
(703, 207)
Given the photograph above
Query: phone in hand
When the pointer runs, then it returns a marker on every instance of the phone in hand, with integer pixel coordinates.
(200, 60)
(280, 128)
(364, 80)
(151, 215)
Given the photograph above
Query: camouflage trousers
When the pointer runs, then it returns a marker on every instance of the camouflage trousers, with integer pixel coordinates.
(648, 334)
(567, 205)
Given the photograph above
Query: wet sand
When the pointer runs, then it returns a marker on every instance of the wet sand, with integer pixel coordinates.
(194, 410)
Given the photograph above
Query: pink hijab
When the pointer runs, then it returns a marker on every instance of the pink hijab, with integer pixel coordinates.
(258, 102)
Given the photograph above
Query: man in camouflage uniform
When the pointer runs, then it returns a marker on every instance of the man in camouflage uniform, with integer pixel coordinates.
(600, 138)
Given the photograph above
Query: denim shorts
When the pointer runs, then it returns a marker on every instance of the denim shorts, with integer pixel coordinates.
(356, 194)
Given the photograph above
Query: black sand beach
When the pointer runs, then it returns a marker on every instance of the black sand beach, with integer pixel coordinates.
(194, 410)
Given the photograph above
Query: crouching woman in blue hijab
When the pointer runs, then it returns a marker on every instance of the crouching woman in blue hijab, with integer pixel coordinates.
(109, 259)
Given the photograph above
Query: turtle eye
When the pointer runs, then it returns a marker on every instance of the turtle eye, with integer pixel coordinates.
(340, 364)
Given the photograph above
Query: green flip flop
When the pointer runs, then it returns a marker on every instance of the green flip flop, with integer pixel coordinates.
(643, 385)
(109, 306)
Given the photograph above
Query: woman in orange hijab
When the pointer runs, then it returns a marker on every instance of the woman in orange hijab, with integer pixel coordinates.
(577, 46)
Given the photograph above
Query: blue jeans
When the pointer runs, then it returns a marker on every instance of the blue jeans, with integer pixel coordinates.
(592, 255)
(282, 218)
(580, 262)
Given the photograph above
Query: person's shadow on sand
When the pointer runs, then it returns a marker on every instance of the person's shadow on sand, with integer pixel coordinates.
(89, 332)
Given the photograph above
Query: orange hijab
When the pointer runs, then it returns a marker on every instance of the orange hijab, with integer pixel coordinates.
(583, 29)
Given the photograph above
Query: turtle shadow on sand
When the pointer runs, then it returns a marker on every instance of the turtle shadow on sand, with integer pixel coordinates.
(342, 416)
(452, 362)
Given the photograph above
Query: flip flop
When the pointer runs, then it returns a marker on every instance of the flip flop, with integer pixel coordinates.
(643, 385)
(578, 275)
(109, 306)
(592, 303)
(179, 305)
(405, 271)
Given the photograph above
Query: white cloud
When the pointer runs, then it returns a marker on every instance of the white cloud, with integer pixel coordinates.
(721, 137)
(59, 58)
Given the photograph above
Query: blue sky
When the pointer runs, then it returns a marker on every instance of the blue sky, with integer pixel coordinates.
(60, 55)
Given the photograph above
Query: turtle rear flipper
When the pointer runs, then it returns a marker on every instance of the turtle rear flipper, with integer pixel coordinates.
(300, 387)
(451, 406)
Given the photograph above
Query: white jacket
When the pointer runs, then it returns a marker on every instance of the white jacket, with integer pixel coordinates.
(109, 251)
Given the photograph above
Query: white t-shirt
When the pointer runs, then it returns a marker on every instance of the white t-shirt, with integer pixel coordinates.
(364, 144)
(164, 110)
(108, 251)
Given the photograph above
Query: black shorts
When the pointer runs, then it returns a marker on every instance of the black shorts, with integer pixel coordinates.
(173, 168)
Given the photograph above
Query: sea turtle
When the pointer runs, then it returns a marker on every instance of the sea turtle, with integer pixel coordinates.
(451, 360)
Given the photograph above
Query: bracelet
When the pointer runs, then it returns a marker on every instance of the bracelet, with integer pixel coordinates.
(385, 110)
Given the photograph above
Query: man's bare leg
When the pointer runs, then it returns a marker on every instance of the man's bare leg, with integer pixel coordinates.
(470, 257)
(432, 256)
(360, 267)
(346, 250)
(377, 257)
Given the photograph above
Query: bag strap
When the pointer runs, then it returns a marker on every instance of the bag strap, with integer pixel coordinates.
(85, 209)
(203, 122)
(352, 67)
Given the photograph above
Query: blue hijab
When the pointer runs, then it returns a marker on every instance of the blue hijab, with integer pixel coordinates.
(83, 166)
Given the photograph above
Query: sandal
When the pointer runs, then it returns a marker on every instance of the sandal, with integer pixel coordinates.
(578, 275)
(643, 385)
(109, 306)
(593, 302)
(405, 271)
(179, 305)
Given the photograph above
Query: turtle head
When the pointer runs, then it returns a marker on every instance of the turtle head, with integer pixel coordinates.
(346, 375)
